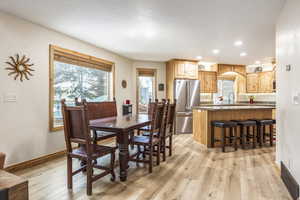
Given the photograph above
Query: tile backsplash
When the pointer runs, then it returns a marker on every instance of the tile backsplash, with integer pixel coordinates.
(206, 97)
(243, 97)
(266, 97)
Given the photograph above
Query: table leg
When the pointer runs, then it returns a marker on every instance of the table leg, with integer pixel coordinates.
(123, 154)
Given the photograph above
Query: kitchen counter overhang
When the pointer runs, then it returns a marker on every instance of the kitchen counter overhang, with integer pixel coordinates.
(203, 115)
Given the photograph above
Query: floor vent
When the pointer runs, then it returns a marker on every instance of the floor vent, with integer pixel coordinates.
(290, 182)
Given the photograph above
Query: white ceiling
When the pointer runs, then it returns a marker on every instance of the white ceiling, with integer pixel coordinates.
(159, 30)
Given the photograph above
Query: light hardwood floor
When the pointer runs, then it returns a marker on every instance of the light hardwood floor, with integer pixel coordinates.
(192, 173)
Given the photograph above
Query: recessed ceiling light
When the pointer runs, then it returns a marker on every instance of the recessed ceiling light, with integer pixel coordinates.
(216, 51)
(199, 57)
(238, 43)
(257, 62)
(149, 33)
(243, 54)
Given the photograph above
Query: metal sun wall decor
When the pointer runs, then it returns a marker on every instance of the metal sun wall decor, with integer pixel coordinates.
(20, 67)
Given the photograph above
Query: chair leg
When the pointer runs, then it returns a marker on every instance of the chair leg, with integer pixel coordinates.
(138, 154)
(144, 155)
(235, 138)
(150, 158)
(131, 135)
(223, 139)
(69, 172)
(254, 136)
(163, 148)
(271, 135)
(212, 137)
(243, 137)
(170, 145)
(89, 177)
(158, 154)
(112, 166)
(230, 135)
(248, 133)
(264, 133)
(261, 141)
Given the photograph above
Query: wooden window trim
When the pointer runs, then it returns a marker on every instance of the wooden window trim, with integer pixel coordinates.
(93, 62)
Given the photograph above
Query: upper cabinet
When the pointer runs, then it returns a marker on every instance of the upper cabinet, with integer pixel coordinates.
(252, 83)
(261, 82)
(208, 82)
(179, 69)
(265, 84)
(223, 68)
(185, 69)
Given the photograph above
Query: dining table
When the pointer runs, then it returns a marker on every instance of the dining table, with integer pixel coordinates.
(122, 126)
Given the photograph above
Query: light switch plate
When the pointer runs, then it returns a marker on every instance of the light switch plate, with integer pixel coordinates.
(10, 97)
(296, 98)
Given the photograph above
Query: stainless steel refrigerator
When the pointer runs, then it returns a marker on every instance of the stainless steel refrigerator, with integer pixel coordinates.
(187, 94)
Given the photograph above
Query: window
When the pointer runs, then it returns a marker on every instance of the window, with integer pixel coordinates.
(76, 75)
(146, 81)
(226, 90)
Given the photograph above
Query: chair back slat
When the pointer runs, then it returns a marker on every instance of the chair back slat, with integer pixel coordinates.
(151, 106)
(98, 110)
(171, 113)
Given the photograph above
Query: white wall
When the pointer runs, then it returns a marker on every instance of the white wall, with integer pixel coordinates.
(24, 125)
(161, 76)
(288, 114)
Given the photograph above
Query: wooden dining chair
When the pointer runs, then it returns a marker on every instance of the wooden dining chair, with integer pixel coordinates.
(150, 144)
(167, 128)
(151, 105)
(99, 110)
(76, 130)
(167, 132)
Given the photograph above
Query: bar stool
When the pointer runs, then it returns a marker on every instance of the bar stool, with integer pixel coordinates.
(224, 125)
(246, 135)
(261, 128)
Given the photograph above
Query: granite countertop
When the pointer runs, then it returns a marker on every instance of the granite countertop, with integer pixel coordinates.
(239, 104)
(233, 107)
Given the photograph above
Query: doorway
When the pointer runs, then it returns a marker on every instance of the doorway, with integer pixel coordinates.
(146, 88)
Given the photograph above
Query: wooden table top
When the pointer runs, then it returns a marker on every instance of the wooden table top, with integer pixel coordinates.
(8, 180)
(121, 123)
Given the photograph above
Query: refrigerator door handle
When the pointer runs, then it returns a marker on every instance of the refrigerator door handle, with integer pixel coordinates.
(189, 95)
(186, 97)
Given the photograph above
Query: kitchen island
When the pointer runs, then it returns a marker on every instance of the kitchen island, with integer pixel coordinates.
(203, 115)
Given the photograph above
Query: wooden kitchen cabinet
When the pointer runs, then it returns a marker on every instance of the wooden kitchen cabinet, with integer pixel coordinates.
(208, 82)
(240, 69)
(179, 69)
(191, 70)
(252, 83)
(265, 84)
(223, 68)
(186, 69)
(261, 82)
